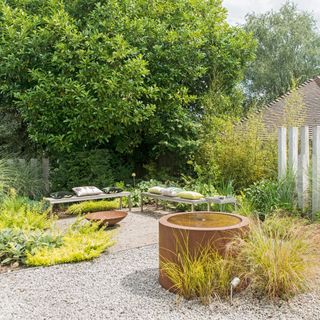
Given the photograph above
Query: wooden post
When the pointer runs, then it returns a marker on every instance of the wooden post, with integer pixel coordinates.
(22, 162)
(315, 169)
(303, 169)
(33, 162)
(282, 152)
(45, 173)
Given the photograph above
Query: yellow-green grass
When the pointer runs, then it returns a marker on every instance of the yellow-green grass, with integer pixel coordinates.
(93, 206)
(202, 276)
(278, 256)
(25, 219)
(81, 242)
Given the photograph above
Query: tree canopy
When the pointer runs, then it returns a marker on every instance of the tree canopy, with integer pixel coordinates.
(123, 74)
(288, 49)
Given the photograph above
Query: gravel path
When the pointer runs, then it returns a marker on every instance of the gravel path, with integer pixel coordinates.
(123, 285)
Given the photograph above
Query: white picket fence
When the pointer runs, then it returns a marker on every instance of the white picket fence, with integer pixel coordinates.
(296, 159)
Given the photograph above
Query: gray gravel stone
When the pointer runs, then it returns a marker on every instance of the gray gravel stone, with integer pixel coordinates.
(123, 285)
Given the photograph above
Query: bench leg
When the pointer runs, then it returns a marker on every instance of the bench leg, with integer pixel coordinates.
(192, 207)
(157, 204)
(141, 202)
(208, 206)
(129, 203)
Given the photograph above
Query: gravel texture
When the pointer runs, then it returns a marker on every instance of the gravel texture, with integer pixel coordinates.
(123, 285)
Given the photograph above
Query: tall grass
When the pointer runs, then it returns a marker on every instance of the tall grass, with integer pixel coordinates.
(25, 178)
(202, 275)
(278, 256)
(269, 195)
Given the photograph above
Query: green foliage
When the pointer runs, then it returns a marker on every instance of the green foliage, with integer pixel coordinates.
(288, 48)
(81, 242)
(278, 256)
(269, 195)
(241, 154)
(25, 178)
(128, 75)
(94, 167)
(93, 206)
(142, 186)
(15, 244)
(24, 219)
(203, 275)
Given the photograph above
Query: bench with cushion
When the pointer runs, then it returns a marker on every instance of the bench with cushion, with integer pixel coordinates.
(101, 196)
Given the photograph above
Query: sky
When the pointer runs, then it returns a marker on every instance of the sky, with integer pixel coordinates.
(239, 8)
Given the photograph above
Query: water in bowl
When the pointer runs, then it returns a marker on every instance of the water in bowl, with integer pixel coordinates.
(204, 220)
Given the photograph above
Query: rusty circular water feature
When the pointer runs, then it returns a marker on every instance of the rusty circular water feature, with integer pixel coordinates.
(196, 230)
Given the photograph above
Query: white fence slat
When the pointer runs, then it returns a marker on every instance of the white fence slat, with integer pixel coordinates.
(282, 152)
(315, 169)
(303, 168)
(293, 152)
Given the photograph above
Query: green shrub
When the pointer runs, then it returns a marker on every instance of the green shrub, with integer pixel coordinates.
(25, 178)
(13, 203)
(81, 242)
(15, 244)
(242, 154)
(93, 206)
(24, 219)
(92, 167)
(269, 195)
(278, 256)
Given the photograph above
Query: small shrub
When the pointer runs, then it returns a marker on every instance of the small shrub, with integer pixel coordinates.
(269, 195)
(81, 242)
(15, 244)
(93, 206)
(204, 275)
(278, 256)
(99, 167)
(25, 219)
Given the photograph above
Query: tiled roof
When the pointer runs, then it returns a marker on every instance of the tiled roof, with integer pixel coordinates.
(273, 113)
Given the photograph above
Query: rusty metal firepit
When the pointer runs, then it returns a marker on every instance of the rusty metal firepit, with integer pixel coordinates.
(109, 218)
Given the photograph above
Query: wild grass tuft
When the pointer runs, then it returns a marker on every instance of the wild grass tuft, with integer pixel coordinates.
(93, 206)
(278, 256)
(203, 275)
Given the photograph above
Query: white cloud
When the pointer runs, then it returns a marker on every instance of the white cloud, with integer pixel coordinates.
(239, 8)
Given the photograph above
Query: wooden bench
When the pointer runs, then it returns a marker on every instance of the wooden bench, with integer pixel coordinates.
(222, 200)
(120, 195)
(158, 197)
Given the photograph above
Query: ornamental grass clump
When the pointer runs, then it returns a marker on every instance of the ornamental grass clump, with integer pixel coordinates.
(83, 241)
(204, 275)
(278, 256)
(93, 206)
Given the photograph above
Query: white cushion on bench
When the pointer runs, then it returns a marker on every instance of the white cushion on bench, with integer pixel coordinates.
(87, 191)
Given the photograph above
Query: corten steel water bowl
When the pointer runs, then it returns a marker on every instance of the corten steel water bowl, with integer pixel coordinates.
(108, 218)
(195, 230)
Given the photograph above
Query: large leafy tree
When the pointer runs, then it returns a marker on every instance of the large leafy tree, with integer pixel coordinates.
(128, 75)
(288, 49)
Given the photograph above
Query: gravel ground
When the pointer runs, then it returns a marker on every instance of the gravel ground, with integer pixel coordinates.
(123, 285)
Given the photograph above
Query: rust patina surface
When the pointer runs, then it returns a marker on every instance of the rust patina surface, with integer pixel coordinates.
(108, 218)
(195, 230)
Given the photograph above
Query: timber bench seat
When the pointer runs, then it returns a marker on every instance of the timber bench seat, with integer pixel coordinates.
(220, 200)
(120, 195)
(158, 197)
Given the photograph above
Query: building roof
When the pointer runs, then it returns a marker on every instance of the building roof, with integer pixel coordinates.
(273, 114)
